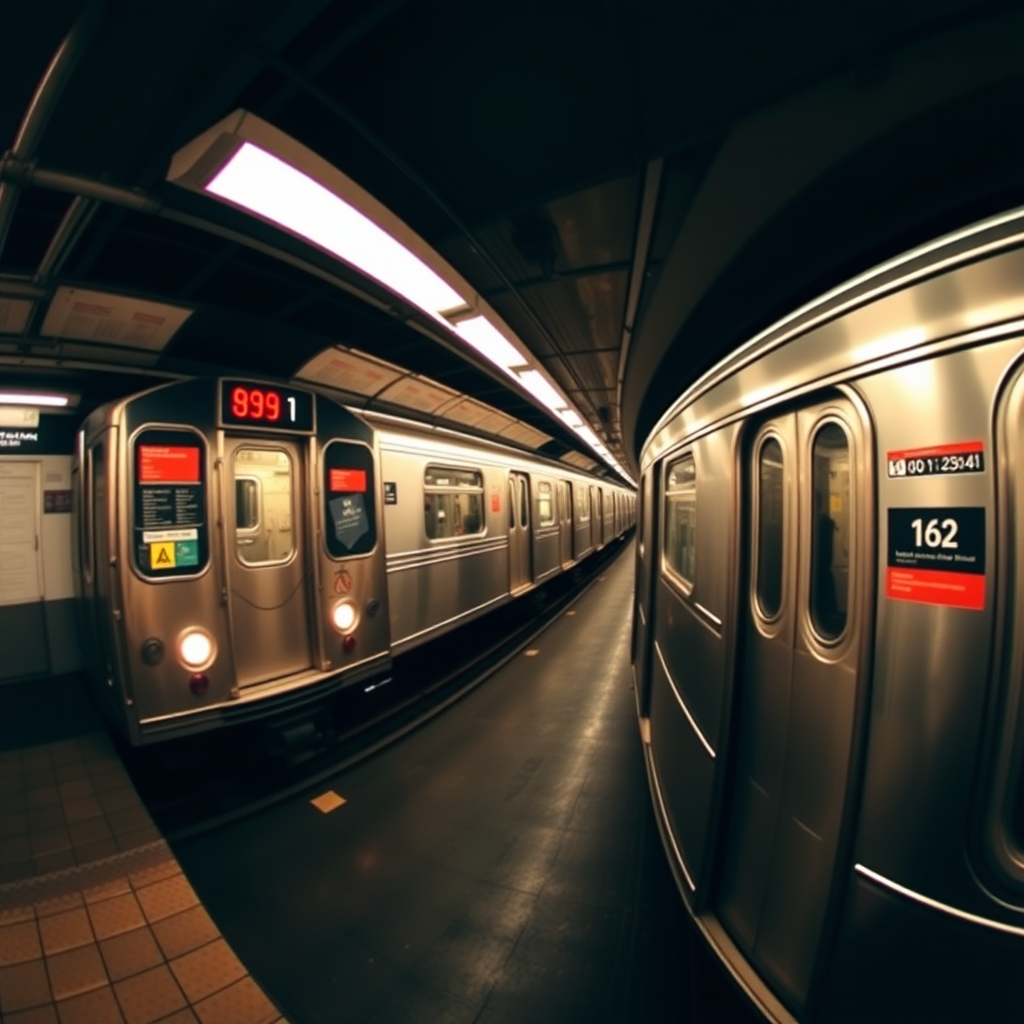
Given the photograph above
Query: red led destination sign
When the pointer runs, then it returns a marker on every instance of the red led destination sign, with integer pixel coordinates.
(244, 403)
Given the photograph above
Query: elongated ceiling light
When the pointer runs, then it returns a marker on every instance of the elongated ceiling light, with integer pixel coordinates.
(33, 398)
(249, 163)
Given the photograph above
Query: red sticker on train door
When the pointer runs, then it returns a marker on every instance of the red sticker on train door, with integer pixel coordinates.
(495, 500)
(937, 556)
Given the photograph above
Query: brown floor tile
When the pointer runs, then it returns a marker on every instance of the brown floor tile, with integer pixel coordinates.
(89, 852)
(164, 898)
(65, 931)
(119, 799)
(14, 872)
(38, 1015)
(75, 972)
(207, 970)
(18, 943)
(76, 789)
(242, 1003)
(181, 933)
(23, 986)
(43, 796)
(107, 782)
(156, 873)
(50, 862)
(58, 904)
(116, 915)
(97, 1007)
(181, 1017)
(97, 764)
(90, 830)
(128, 819)
(13, 824)
(35, 758)
(41, 819)
(130, 953)
(65, 752)
(15, 915)
(12, 803)
(83, 809)
(33, 780)
(137, 838)
(11, 783)
(14, 849)
(49, 840)
(106, 890)
(149, 996)
(94, 743)
(72, 771)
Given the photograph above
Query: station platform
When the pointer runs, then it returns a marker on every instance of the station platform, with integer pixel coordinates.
(498, 865)
(98, 924)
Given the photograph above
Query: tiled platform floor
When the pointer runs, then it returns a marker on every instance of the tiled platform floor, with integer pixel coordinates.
(98, 925)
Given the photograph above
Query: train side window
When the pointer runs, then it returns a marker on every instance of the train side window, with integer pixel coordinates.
(582, 505)
(545, 504)
(680, 555)
(264, 481)
(769, 527)
(830, 544)
(453, 502)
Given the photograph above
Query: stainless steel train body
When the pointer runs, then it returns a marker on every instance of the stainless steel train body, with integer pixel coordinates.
(246, 548)
(470, 525)
(828, 650)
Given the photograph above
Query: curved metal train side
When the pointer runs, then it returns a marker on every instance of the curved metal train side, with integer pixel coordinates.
(177, 552)
(828, 673)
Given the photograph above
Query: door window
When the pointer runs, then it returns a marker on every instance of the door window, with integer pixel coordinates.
(264, 501)
(830, 545)
(769, 527)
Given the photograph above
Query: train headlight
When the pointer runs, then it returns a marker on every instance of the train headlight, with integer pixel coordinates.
(196, 649)
(344, 616)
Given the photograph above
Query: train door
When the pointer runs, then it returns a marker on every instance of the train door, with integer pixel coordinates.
(804, 613)
(520, 570)
(565, 522)
(643, 593)
(266, 559)
(595, 518)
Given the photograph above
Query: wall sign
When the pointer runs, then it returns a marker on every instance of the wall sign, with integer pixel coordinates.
(938, 460)
(937, 556)
(390, 492)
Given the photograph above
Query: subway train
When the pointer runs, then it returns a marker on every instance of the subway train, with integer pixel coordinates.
(245, 548)
(828, 649)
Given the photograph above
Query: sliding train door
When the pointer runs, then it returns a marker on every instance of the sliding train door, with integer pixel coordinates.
(519, 540)
(806, 500)
(266, 559)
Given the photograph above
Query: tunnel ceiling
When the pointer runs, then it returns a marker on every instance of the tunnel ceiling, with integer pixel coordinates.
(635, 188)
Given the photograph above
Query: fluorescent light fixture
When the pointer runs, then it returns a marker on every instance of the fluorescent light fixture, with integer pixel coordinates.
(490, 343)
(571, 417)
(33, 398)
(534, 382)
(589, 436)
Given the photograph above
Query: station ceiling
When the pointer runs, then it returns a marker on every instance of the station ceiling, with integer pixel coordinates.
(635, 187)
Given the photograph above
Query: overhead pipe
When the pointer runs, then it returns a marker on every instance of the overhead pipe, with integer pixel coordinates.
(43, 103)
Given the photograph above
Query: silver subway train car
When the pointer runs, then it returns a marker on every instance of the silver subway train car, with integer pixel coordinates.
(246, 548)
(827, 644)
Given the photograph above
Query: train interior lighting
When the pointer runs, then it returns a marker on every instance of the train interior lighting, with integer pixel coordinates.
(196, 649)
(266, 185)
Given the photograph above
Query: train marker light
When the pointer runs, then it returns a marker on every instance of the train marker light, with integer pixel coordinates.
(343, 616)
(349, 644)
(196, 649)
(199, 683)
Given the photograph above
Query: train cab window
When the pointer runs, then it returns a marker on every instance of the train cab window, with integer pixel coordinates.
(350, 508)
(264, 503)
(830, 543)
(680, 556)
(769, 528)
(545, 505)
(453, 502)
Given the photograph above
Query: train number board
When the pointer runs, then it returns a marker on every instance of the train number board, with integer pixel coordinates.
(266, 406)
(937, 556)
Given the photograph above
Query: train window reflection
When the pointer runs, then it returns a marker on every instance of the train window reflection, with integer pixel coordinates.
(830, 548)
(545, 506)
(264, 522)
(453, 502)
(769, 528)
(681, 519)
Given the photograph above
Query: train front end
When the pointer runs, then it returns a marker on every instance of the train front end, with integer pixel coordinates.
(231, 555)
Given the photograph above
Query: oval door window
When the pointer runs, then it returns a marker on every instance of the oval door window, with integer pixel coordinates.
(830, 543)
